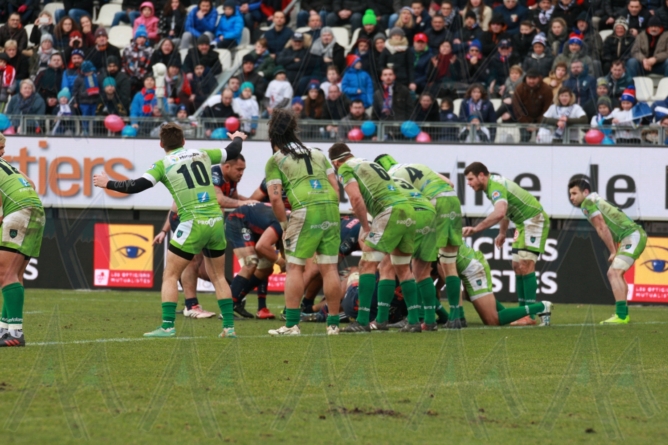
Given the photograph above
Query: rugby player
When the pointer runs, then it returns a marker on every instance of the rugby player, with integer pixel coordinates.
(475, 273)
(313, 191)
(22, 219)
(225, 179)
(187, 175)
(425, 253)
(253, 231)
(513, 203)
(371, 189)
(624, 239)
(448, 225)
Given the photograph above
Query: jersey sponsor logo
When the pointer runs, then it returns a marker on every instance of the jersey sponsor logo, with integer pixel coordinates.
(24, 183)
(315, 184)
(406, 222)
(209, 222)
(424, 230)
(451, 215)
(325, 225)
(496, 195)
(391, 188)
(203, 197)
(415, 194)
(246, 234)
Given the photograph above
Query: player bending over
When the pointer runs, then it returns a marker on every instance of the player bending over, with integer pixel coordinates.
(310, 184)
(448, 225)
(474, 271)
(624, 239)
(513, 203)
(22, 219)
(187, 175)
(371, 190)
(253, 231)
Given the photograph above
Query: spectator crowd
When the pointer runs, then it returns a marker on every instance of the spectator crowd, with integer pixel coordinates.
(541, 63)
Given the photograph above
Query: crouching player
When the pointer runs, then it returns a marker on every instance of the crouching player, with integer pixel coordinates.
(615, 229)
(187, 175)
(22, 218)
(473, 269)
(253, 232)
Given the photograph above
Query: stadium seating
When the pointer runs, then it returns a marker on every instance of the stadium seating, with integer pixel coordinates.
(342, 36)
(225, 58)
(239, 55)
(107, 12)
(644, 88)
(604, 33)
(661, 90)
(53, 7)
(120, 36)
(28, 29)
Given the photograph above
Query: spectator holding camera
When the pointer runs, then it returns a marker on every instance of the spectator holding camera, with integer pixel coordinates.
(43, 25)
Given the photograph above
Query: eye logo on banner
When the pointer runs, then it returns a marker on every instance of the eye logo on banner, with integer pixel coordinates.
(123, 255)
(648, 278)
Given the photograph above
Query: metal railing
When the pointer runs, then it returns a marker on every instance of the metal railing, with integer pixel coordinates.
(328, 130)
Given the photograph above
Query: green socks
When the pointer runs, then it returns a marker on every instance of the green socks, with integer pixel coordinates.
(427, 291)
(452, 288)
(530, 287)
(409, 289)
(442, 313)
(292, 317)
(367, 284)
(3, 319)
(499, 306)
(519, 287)
(226, 307)
(333, 320)
(385, 296)
(168, 315)
(13, 295)
(507, 316)
(621, 309)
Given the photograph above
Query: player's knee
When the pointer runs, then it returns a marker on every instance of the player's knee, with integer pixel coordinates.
(619, 265)
(447, 256)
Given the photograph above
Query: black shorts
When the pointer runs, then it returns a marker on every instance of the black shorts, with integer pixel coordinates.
(238, 235)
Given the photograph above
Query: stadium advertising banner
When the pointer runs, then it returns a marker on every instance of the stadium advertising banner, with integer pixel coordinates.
(634, 178)
(648, 278)
(123, 255)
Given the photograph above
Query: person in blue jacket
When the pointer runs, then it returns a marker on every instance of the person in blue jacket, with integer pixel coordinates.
(513, 14)
(201, 20)
(357, 84)
(230, 26)
(146, 104)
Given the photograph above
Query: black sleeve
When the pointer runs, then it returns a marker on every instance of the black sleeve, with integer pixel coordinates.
(234, 149)
(130, 186)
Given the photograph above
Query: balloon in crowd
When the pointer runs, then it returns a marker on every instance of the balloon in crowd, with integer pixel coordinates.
(129, 131)
(410, 129)
(219, 133)
(355, 134)
(232, 124)
(114, 123)
(594, 137)
(423, 137)
(9, 130)
(5, 123)
(368, 129)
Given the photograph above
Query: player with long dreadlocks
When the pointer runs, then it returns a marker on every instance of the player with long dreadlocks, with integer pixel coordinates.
(313, 192)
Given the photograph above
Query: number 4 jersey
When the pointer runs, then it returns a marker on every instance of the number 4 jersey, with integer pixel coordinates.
(187, 175)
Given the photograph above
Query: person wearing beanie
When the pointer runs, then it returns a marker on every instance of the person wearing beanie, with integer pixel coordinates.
(491, 38)
(86, 92)
(247, 107)
(202, 54)
(603, 110)
(279, 92)
(137, 58)
(251, 75)
(72, 70)
(513, 14)
(102, 51)
(109, 103)
(313, 7)
(624, 116)
(593, 44)
(539, 59)
(470, 31)
(397, 56)
(65, 92)
(347, 12)
(649, 53)
(297, 106)
(483, 13)
(201, 20)
(371, 26)
(531, 100)
(617, 46)
(369, 18)
(230, 26)
(472, 67)
(39, 60)
(149, 21)
(357, 83)
(64, 108)
(123, 83)
(573, 51)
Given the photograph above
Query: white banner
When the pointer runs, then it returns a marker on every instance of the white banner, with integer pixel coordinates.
(634, 178)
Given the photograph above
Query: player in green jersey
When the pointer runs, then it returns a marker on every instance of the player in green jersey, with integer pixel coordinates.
(371, 189)
(448, 225)
(624, 239)
(187, 175)
(22, 223)
(425, 253)
(313, 229)
(475, 273)
(513, 203)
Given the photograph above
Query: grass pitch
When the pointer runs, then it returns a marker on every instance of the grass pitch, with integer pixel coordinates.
(88, 376)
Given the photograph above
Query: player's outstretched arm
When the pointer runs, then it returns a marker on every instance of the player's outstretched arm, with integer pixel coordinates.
(357, 203)
(499, 213)
(604, 232)
(129, 186)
